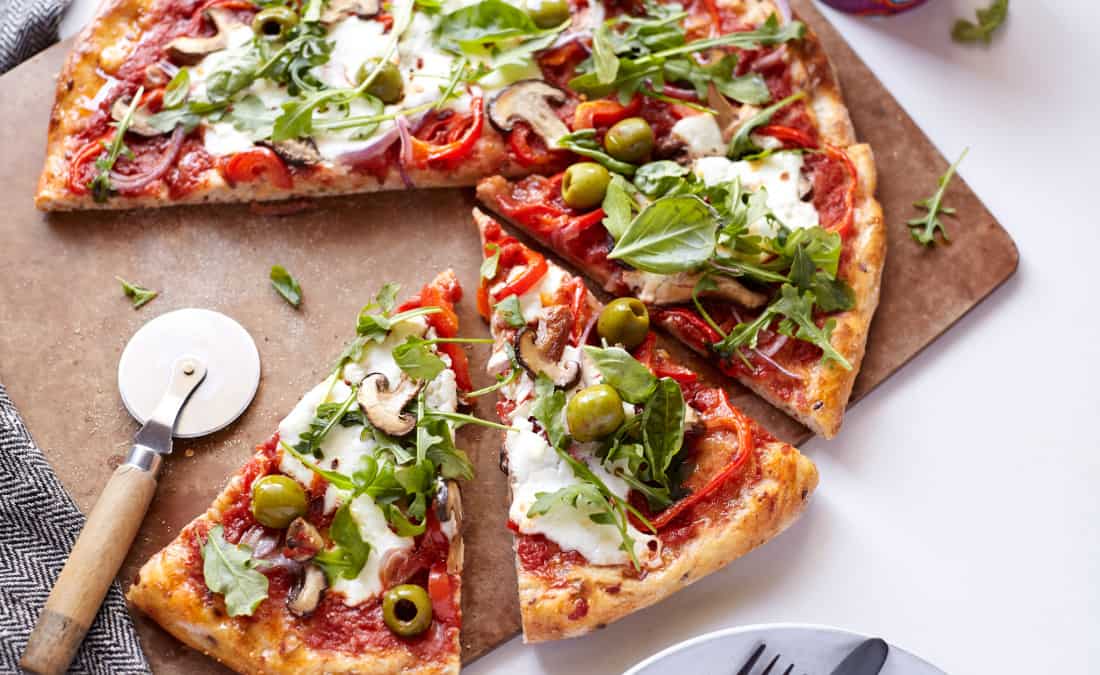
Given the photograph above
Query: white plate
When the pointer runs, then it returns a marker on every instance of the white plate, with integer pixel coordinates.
(815, 650)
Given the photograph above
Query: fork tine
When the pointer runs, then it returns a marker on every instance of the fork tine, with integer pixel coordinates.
(753, 658)
(770, 665)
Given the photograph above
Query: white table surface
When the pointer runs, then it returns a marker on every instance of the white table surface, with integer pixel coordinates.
(958, 513)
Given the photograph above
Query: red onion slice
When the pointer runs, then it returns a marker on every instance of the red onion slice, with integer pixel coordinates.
(369, 152)
(778, 367)
(775, 345)
(122, 183)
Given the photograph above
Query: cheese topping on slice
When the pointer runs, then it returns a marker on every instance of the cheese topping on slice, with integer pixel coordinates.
(700, 135)
(779, 173)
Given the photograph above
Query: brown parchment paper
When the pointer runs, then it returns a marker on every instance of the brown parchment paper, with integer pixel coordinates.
(63, 320)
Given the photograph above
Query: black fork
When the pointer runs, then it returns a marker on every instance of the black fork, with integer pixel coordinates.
(768, 670)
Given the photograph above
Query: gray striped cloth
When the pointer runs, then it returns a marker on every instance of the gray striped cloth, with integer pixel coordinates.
(38, 526)
(26, 28)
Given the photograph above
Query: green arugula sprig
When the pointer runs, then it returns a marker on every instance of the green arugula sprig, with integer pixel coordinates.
(229, 570)
(100, 186)
(286, 285)
(924, 228)
(139, 295)
(989, 20)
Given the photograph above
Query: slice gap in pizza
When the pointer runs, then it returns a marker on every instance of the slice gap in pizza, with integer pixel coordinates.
(337, 547)
(164, 102)
(630, 478)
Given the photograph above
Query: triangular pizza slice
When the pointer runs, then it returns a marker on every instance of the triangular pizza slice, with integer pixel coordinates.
(336, 548)
(630, 478)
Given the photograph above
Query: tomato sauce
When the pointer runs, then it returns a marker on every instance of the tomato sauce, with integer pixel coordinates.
(539, 555)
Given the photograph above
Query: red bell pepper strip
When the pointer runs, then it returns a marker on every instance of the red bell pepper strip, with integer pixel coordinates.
(426, 151)
(800, 139)
(604, 112)
(251, 165)
(515, 255)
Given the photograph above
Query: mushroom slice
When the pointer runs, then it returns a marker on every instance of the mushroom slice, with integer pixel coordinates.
(338, 9)
(384, 406)
(530, 101)
(296, 151)
(306, 595)
(303, 541)
(673, 289)
(139, 123)
(189, 50)
(540, 350)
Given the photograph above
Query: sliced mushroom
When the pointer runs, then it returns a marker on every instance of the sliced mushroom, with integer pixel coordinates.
(540, 350)
(306, 595)
(338, 9)
(139, 123)
(384, 406)
(296, 151)
(727, 115)
(303, 541)
(530, 101)
(454, 520)
(672, 289)
(189, 50)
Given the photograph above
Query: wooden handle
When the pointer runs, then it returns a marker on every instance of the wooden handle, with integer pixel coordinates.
(92, 566)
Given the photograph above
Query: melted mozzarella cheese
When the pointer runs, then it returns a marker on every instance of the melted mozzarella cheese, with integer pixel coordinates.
(780, 174)
(354, 41)
(531, 302)
(378, 356)
(222, 138)
(373, 528)
(700, 135)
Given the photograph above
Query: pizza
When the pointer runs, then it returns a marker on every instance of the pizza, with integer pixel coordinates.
(183, 101)
(337, 546)
(751, 231)
(630, 477)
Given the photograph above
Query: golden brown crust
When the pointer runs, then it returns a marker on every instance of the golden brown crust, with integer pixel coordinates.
(766, 509)
(168, 591)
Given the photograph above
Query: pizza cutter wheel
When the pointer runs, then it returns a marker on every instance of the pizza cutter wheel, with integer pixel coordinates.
(186, 374)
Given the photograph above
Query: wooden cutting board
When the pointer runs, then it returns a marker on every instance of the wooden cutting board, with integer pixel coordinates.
(63, 320)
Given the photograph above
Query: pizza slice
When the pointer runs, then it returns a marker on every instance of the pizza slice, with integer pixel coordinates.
(337, 548)
(751, 232)
(167, 102)
(630, 478)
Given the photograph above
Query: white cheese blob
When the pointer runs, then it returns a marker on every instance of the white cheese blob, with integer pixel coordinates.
(780, 174)
(531, 302)
(373, 528)
(700, 135)
(222, 138)
(354, 41)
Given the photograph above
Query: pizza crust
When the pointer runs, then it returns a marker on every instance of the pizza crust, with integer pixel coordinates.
(167, 591)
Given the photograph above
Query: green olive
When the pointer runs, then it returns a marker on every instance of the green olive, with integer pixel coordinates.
(407, 610)
(388, 85)
(630, 140)
(594, 412)
(277, 500)
(274, 23)
(584, 185)
(548, 13)
(624, 321)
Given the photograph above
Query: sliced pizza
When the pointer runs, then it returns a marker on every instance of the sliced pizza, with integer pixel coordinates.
(182, 101)
(630, 478)
(336, 548)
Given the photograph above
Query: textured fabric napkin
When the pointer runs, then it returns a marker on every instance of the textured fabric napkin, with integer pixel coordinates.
(26, 28)
(39, 524)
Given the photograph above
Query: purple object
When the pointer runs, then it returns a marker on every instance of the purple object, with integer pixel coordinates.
(873, 6)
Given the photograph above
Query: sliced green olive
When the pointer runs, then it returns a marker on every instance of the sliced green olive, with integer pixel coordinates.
(388, 85)
(594, 412)
(630, 140)
(278, 500)
(548, 13)
(274, 23)
(407, 610)
(584, 185)
(624, 321)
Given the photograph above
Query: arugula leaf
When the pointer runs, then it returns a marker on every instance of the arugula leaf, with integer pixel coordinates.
(440, 449)
(177, 90)
(660, 178)
(188, 116)
(242, 71)
(286, 285)
(386, 298)
(622, 371)
(100, 186)
(325, 419)
(417, 360)
(663, 427)
(547, 410)
(618, 206)
(583, 142)
(511, 311)
(229, 570)
(603, 55)
(377, 326)
(138, 295)
(250, 116)
(349, 553)
(490, 265)
(672, 234)
(989, 20)
(923, 229)
(742, 144)
(747, 88)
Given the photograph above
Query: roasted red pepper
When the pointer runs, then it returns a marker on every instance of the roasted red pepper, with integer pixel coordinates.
(245, 167)
(462, 137)
(604, 112)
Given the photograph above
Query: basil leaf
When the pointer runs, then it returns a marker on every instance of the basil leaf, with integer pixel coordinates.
(547, 409)
(742, 144)
(622, 371)
(663, 427)
(250, 116)
(657, 179)
(417, 360)
(138, 295)
(511, 311)
(583, 142)
(228, 570)
(618, 206)
(490, 265)
(989, 20)
(603, 55)
(476, 26)
(222, 85)
(177, 90)
(347, 557)
(286, 285)
(673, 234)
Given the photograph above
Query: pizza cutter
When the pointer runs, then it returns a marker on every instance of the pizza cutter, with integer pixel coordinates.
(186, 374)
